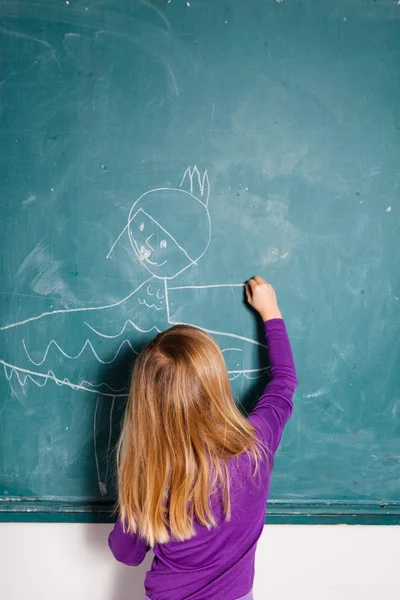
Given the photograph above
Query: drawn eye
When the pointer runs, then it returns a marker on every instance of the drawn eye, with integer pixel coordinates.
(163, 244)
(141, 226)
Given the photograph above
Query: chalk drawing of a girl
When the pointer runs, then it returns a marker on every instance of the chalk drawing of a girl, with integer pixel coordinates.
(169, 230)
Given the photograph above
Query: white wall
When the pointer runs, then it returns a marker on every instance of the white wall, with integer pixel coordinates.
(64, 562)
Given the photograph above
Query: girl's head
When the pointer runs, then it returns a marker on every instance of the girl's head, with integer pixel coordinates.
(181, 425)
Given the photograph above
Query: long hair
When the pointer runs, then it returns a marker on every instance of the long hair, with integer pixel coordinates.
(181, 425)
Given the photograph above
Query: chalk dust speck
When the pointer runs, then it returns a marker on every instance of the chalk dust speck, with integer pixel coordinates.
(30, 198)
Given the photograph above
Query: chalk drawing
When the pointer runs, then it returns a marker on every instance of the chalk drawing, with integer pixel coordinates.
(41, 349)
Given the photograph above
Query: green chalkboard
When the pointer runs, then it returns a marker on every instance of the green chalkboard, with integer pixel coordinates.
(154, 155)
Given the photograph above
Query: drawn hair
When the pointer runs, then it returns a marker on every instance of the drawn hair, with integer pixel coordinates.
(180, 427)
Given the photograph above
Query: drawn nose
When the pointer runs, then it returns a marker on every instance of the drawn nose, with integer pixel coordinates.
(147, 242)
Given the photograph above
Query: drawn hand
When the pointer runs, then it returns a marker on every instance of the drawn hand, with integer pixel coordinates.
(262, 297)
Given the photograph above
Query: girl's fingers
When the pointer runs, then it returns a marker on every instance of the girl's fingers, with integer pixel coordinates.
(253, 284)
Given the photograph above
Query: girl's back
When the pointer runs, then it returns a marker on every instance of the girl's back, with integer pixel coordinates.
(217, 559)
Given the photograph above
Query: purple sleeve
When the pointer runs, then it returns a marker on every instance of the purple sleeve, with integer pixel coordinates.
(127, 548)
(275, 405)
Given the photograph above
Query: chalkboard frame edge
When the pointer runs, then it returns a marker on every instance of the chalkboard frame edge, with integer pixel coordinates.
(277, 513)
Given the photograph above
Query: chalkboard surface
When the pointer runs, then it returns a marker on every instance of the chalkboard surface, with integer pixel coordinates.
(154, 155)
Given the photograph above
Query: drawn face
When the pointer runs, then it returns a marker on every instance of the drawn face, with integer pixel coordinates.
(156, 249)
(169, 230)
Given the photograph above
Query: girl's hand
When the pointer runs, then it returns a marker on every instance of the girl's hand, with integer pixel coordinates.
(261, 296)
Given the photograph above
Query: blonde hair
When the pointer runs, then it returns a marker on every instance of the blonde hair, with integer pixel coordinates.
(181, 425)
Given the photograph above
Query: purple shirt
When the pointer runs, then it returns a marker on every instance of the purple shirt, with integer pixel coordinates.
(219, 563)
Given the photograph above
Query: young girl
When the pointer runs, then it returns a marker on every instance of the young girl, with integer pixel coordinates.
(194, 473)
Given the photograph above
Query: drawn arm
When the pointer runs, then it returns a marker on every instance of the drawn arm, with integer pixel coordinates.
(244, 354)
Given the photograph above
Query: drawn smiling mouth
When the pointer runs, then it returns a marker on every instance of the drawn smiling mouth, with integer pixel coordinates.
(143, 255)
